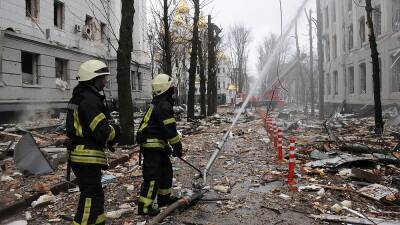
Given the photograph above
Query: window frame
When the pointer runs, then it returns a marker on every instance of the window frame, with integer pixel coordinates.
(34, 68)
(64, 63)
(59, 6)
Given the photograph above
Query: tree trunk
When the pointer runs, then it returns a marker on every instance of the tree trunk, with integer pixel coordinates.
(321, 86)
(311, 67)
(203, 111)
(167, 57)
(375, 70)
(211, 65)
(193, 61)
(123, 73)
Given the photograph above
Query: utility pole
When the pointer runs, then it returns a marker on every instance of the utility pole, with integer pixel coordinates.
(320, 63)
(193, 61)
(123, 73)
(309, 17)
(375, 69)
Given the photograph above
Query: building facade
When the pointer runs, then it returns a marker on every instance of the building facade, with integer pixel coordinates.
(347, 55)
(226, 95)
(43, 42)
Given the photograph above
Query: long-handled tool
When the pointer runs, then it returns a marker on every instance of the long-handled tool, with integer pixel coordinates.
(191, 165)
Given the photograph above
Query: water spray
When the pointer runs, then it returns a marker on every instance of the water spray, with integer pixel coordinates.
(281, 41)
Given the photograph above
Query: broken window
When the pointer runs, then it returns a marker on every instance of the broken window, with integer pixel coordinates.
(328, 83)
(32, 8)
(335, 82)
(59, 14)
(362, 29)
(139, 81)
(363, 78)
(326, 17)
(377, 20)
(351, 37)
(334, 46)
(29, 68)
(61, 69)
(103, 30)
(396, 15)
(395, 73)
(89, 28)
(351, 80)
(133, 80)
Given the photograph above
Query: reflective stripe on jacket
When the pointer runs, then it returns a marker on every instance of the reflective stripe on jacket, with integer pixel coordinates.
(88, 127)
(158, 126)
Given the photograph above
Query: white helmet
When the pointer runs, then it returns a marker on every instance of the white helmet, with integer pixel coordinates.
(91, 69)
(161, 83)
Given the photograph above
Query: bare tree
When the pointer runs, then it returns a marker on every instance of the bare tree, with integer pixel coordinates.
(375, 69)
(312, 97)
(264, 52)
(193, 60)
(203, 79)
(303, 88)
(239, 40)
(167, 57)
(123, 73)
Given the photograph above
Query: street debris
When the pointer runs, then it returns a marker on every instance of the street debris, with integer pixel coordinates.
(44, 199)
(355, 185)
(28, 157)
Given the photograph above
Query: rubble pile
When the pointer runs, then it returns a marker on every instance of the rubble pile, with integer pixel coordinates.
(344, 174)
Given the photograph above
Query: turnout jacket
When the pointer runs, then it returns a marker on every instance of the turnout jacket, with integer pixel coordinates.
(88, 127)
(158, 127)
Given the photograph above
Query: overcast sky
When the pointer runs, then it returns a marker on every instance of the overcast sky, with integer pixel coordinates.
(262, 16)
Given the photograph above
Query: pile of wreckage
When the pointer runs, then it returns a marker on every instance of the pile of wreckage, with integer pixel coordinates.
(33, 167)
(351, 174)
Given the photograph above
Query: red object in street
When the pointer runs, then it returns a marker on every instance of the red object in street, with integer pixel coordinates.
(280, 154)
(292, 148)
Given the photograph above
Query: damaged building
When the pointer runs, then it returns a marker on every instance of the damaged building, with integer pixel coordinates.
(347, 60)
(43, 42)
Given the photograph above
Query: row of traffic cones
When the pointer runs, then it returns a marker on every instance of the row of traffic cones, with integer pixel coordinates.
(275, 134)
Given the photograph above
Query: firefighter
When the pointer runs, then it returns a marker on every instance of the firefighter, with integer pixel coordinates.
(156, 135)
(90, 132)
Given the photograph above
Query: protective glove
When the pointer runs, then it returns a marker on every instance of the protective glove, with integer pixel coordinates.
(114, 141)
(177, 150)
(117, 130)
(168, 150)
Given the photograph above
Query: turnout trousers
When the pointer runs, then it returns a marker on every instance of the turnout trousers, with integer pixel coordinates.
(157, 178)
(91, 201)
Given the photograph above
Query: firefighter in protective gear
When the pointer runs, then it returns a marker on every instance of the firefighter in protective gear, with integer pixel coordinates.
(156, 135)
(90, 132)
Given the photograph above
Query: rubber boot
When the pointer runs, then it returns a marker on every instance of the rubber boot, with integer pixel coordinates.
(150, 211)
